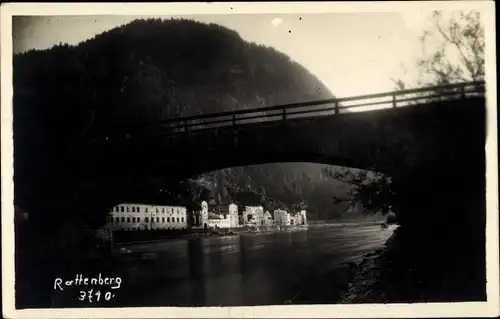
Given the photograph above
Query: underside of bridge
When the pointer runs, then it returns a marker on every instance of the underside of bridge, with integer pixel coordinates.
(416, 135)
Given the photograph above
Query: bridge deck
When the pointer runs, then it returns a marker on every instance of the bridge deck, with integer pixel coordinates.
(306, 110)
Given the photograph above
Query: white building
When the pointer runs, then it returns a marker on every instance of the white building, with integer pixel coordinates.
(233, 216)
(268, 219)
(217, 217)
(168, 217)
(204, 214)
(218, 221)
(281, 217)
(253, 215)
(303, 217)
(130, 216)
(294, 219)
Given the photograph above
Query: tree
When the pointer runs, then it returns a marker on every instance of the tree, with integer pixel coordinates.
(453, 52)
(372, 190)
(460, 55)
(299, 206)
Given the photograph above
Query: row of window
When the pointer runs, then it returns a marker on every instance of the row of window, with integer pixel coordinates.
(219, 221)
(147, 228)
(137, 209)
(146, 219)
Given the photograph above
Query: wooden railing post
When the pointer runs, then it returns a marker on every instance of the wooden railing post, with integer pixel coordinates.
(234, 119)
(394, 100)
(284, 113)
(186, 127)
(336, 106)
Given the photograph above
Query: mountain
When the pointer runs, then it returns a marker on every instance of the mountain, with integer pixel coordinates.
(276, 185)
(157, 69)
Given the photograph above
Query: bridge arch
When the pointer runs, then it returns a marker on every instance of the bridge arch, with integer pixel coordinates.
(414, 137)
(370, 140)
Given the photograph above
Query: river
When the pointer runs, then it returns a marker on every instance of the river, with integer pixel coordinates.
(302, 267)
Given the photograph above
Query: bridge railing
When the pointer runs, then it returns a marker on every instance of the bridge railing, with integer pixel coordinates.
(319, 108)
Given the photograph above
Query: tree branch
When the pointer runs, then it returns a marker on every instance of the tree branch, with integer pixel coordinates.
(452, 39)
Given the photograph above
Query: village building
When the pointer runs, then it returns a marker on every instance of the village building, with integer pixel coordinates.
(253, 216)
(218, 221)
(128, 216)
(299, 218)
(283, 218)
(303, 216)
(268, 219)
(217, 216)
(233, 216)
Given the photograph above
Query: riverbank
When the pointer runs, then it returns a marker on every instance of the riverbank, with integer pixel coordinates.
(366, 284)
(133, 237)
(431, 268)
(144, 236)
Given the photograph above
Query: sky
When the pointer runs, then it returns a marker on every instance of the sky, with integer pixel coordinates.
(351, 53)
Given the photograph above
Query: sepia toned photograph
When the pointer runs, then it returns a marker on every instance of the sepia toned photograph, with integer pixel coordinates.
(245, 156)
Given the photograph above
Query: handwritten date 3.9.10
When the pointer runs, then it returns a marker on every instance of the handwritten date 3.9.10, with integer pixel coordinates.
(95, 295)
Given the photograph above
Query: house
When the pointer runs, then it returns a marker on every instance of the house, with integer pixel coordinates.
(298, 218)
(253, 216)
(217, 216)
(268, 219)
(233, 216)
(281, 218)
(131, 216)
(218, 221)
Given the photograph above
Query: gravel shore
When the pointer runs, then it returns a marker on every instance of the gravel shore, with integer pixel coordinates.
(426, 268)
(367, 284)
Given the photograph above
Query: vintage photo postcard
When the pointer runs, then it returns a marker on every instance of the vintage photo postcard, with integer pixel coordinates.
(249, 160)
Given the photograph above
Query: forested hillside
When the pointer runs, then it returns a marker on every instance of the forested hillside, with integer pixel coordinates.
(158, 69)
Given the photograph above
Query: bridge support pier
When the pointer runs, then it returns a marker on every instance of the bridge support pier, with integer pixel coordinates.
(442, 213)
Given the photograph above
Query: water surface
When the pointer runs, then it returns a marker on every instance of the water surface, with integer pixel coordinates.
(255, 269)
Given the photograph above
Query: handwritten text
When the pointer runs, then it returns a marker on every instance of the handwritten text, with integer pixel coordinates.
(80, 280)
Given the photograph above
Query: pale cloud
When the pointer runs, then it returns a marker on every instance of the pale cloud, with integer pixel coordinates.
(277, 22)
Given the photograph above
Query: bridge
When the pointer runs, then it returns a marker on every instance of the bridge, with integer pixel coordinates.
(424, 138)
(431, 140)
(409, 126)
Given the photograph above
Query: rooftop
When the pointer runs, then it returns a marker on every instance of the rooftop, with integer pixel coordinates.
(219, 209)
(212, 215)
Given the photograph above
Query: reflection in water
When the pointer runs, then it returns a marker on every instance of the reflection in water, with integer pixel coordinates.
(196, 271)
(255, 269)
